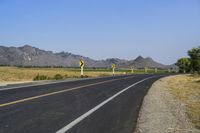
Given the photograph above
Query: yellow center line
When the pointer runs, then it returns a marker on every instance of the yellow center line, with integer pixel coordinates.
(56, 92)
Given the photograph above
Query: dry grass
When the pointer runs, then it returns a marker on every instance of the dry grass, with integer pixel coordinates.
(186, 88)
(10, 74)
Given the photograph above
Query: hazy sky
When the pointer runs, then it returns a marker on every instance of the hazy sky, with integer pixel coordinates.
(161, 29)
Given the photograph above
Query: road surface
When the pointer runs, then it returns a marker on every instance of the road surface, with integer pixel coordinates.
(101, 105)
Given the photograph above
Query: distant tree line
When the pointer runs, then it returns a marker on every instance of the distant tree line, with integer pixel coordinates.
(191, 64)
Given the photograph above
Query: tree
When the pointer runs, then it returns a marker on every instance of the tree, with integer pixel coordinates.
(184, 65)
(195, 59)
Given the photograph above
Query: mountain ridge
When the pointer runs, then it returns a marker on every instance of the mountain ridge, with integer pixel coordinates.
(28, 55)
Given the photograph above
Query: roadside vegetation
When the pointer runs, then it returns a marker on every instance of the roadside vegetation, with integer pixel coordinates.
(28, 74)
(186, 88)
(191, 64)
(8, 74)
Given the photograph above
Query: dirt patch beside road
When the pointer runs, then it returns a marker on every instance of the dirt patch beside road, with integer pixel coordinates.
(165, 111)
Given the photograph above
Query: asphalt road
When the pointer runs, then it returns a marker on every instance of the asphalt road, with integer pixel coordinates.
(102, 105)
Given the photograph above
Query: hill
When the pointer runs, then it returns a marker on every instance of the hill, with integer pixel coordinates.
(31, 56)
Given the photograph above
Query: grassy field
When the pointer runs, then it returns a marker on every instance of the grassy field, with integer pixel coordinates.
(186, 88)
(10, 74)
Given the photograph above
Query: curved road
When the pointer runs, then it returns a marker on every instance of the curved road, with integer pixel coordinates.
(101, 105)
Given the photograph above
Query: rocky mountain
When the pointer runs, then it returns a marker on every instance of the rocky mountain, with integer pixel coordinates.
(141, 62)
(31, 56)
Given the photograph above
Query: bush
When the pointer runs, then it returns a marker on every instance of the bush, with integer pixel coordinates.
(184, 65)
(195, 59)
(66, 76)
(40, 77)
(58, 76)
(86, 76)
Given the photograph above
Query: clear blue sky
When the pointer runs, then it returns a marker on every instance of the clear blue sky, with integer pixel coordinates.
(161, 29)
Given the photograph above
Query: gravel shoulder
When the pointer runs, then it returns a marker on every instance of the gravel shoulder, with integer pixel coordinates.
(162, 113)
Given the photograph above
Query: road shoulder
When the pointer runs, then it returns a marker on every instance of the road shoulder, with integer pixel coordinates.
(162, 113)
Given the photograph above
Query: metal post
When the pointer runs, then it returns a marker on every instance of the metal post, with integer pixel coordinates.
(82, 72)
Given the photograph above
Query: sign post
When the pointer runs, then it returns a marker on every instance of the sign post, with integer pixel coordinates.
(145, 70)
(82, 64)
(113, 68)
(156, 70)
(132, 69)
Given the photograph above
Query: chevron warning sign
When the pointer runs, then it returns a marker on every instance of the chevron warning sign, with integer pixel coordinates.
(113, 65)
(82, 63)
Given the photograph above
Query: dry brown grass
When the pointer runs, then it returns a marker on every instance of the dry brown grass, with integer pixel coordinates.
(186, 88)
(10, 74)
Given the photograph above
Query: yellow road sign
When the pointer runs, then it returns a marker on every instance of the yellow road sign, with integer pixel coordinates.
(82, 63)
(113, 66)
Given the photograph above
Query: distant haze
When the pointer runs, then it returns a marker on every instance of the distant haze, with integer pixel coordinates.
(161, 29)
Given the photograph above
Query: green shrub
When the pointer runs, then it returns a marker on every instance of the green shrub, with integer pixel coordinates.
(40, 77)
(66, 76)
(86, 76)
(58, 76)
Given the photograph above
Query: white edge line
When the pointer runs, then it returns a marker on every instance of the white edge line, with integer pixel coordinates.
(41, 84)
(80, 118)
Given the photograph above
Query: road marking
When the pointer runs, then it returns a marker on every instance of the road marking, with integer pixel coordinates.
(40, 84)
(57, 82)
(80, 118)
(57, 92)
